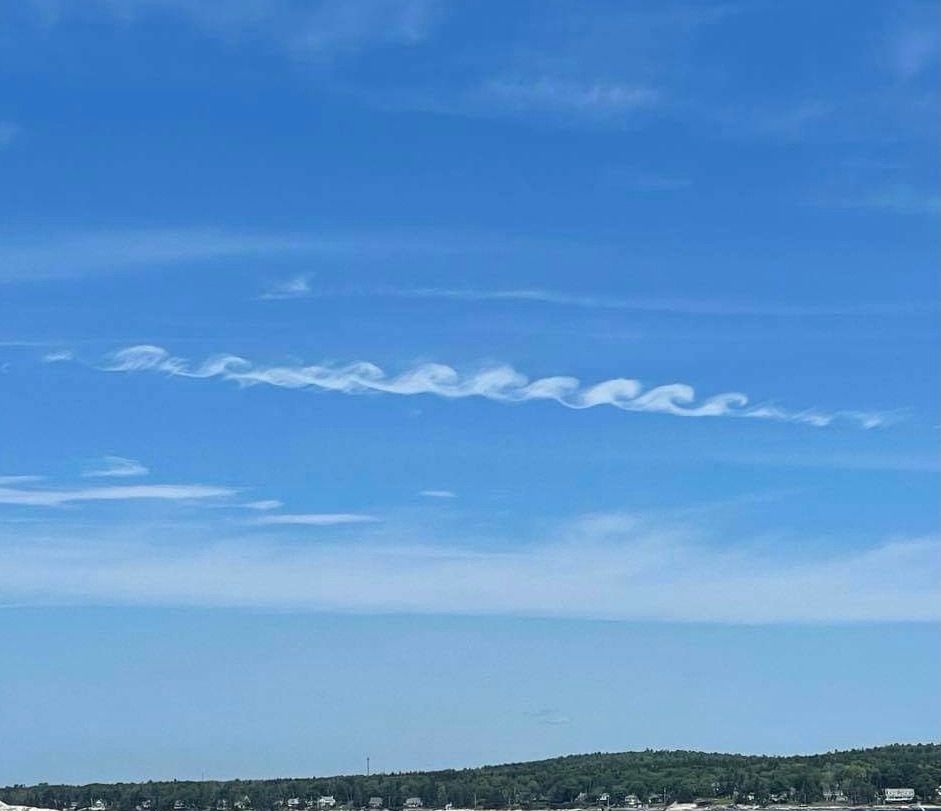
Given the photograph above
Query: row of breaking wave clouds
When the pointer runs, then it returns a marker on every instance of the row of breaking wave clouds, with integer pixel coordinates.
(500, 383)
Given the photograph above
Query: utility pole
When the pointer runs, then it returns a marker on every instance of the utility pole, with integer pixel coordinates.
(367, 765)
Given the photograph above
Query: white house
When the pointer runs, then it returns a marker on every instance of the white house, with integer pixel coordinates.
(899, 795)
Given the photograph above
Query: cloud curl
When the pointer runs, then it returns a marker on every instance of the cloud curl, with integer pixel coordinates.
(500, 383)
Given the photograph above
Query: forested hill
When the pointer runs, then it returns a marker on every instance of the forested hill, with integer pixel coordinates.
(655, 777)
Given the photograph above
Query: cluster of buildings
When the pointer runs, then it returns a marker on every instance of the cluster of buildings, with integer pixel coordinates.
(328, 801)
(890, 797)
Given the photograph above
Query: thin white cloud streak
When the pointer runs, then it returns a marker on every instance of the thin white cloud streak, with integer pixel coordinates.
(297, 287)
(20, 479)
(552, 95)
(898, 199)
(41, 256)
(65, 255)
(118, 467)
(59, 256)
(263, 504)
(605, 68)
(498, 383)
(639, 304)
(438, 494)
(168, 492)
(607, 567)
(59, 355)
(305, 31)
(316, 519)
(336, 27)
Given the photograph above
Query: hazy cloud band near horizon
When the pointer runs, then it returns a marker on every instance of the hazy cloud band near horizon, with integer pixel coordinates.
(610, 567)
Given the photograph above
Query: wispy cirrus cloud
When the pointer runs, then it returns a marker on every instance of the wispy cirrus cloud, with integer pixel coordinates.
(639, 304)
(55, 256)
(54, 497)
(58, 355)
(592, 100)
(616, 66)
(500, 383)
(75, 255)
(633, 570)
(316, 519)
(296, 287)
(20, 479)
(305, 31)
(896, 199)
(438, 494)
(116, 466)
(61, 255)
(263, 504)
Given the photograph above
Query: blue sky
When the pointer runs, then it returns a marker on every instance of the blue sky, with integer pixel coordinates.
(454, 384)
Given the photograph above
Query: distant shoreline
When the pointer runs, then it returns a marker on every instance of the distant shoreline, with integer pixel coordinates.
(670, 807)
(909, 775)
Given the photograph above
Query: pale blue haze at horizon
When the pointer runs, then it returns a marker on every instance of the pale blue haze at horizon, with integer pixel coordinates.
(735, 197)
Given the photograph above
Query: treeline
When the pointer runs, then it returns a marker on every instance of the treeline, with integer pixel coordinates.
(855, 777)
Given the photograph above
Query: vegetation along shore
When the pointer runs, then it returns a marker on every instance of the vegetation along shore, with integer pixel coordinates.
(907, 774)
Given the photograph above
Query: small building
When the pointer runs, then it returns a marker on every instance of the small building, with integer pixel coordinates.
(98, 805)
(294, 802)
(604, 799)
(632, 801)
(327, 801)
(414, 802)
(899, 795)
(375, 802)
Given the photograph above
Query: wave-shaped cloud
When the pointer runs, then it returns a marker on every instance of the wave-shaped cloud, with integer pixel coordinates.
(501, 383)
